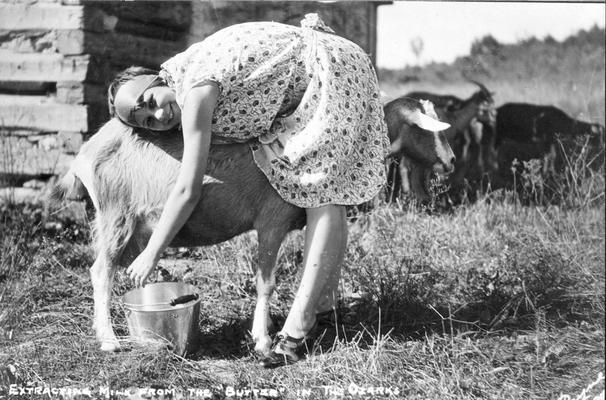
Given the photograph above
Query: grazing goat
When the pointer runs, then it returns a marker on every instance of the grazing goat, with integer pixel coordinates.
(472, 132)
(532, 123)
(467, 119)
(417, 144)
(128, 178)
(531, 131)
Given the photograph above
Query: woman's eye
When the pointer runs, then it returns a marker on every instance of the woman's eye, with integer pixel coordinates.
(151, 102)
(149, 122)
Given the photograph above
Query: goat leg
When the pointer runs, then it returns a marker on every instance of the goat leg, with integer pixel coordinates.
(102, 277)
(269, 245)
(404, 175)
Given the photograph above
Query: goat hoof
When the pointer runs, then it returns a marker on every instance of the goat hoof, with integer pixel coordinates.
(263, 346)
(110, 346)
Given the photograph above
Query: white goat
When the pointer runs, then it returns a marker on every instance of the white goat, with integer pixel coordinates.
(128, 178)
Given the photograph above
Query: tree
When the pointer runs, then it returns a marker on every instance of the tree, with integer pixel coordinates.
(416, 45)
(485, 46)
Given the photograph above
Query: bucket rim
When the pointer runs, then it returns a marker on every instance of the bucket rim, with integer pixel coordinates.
(165, 305)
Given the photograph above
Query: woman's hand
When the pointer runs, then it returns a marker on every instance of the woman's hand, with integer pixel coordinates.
(140, 269)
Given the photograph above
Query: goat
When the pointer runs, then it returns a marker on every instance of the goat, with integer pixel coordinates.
(472, 134)
(471, 131)
(128, 178)
(530, 131)
(532, 123)
(417, 143)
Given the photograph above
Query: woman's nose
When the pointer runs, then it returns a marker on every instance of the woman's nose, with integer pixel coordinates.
(159, 114)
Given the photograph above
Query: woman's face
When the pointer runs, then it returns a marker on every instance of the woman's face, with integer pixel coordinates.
(147, 103)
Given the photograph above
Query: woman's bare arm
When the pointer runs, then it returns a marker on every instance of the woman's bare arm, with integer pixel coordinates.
(196, 122)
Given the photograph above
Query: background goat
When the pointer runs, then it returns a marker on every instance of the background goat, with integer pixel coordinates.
(417, 145)
(531, 131)
(471, 134)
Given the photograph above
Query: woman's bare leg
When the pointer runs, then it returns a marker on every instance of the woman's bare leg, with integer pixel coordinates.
(325, 243)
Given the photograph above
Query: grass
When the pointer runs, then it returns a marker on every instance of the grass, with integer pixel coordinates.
(492, 300)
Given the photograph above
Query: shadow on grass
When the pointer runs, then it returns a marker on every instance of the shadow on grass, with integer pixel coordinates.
(229, 340)
(364, 321)
(411, 310)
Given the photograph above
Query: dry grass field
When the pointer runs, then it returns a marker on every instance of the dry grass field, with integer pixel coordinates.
(495, 299)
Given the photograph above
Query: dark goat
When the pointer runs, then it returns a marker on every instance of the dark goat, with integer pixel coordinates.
(530, 131)
(128, 178)
(532, 123)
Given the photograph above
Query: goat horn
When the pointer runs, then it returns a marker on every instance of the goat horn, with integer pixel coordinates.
(481, 86)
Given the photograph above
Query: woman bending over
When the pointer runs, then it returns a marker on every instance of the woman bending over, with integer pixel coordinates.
(307, 101)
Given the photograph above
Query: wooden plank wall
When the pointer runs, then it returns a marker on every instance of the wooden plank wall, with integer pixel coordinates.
(58, 56)
(56, 60)
(354, 20)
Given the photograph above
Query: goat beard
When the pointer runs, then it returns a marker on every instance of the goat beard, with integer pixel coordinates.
(434, 183)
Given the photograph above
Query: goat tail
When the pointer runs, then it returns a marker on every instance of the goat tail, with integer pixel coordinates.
(58, 192)
(68, 187)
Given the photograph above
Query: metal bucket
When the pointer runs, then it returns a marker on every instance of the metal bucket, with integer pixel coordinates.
(165, 311)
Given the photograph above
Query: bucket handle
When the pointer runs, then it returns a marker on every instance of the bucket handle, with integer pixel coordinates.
(176, 301)
(184, 299)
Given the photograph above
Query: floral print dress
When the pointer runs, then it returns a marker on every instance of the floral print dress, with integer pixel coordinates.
(305, 99)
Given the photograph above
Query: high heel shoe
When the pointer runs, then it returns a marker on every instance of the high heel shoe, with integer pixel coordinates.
(287, 350)
(284, 352)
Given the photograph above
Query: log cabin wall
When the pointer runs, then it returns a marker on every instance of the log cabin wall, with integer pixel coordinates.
(58, 56)
(354, 20)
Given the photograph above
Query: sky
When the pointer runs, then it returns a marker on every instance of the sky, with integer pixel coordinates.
(447, 29)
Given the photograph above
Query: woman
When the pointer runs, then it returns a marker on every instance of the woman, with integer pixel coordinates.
(307, 101)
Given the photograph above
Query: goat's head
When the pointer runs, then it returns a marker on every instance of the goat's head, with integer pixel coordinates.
(416, 132)
(483, 97)
(487, 114)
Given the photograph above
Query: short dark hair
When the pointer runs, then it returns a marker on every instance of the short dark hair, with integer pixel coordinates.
(120, 79)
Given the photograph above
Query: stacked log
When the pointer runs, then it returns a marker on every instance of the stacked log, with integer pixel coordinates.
(56, 60)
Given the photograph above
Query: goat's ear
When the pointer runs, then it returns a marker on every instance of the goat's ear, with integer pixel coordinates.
(429, 124)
